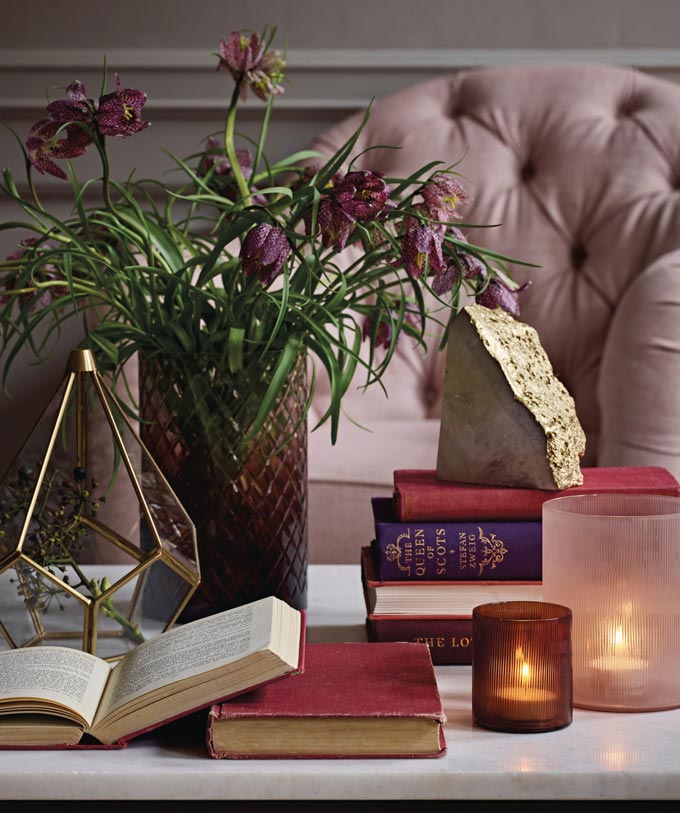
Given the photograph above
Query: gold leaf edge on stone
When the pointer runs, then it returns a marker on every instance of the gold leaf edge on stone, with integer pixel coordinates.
(538, 389)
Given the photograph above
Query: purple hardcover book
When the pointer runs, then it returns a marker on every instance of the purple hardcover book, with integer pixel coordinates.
(484, 550)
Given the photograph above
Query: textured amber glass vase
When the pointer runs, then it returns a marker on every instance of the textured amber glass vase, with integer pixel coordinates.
(521, 666)
(246, 496)
(615, 559)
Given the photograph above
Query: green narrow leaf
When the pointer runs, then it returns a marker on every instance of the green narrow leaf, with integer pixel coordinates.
(282, 371)
(235, 341)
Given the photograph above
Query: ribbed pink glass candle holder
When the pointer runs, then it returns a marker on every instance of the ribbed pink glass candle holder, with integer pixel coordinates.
(521, 666)
(615, 560)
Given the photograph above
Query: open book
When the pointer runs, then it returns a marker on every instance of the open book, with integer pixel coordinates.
(51, 696)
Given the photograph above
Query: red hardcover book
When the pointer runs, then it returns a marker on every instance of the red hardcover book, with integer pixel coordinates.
(55, 697)
(448, 637)
(352, 701)
(419, 495)
(435, 598)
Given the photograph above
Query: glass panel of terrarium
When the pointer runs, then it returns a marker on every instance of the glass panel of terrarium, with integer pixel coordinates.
(37, 609)
(21, 478)
(172, 524)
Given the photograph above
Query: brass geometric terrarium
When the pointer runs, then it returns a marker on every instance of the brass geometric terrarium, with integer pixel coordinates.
(96, 551)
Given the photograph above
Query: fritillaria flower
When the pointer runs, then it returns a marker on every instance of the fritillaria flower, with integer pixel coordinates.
(266, 80)
(441, 195)
(45, 272)
(240, 53)
(248, 62)
(215, 156)
(264, 252)
(421, 244)
(363, 195)
(498, 295)
(120, 113)
(75, 107)
(384, 334)
(50, 139)
(467, 267)
(332, 223)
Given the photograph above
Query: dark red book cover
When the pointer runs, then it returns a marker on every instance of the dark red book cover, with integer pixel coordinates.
(419, 495)
(454, 550)
(341, 680)
(448, 637)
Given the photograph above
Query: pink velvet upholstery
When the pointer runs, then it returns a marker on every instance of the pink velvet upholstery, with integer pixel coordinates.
(580, 166)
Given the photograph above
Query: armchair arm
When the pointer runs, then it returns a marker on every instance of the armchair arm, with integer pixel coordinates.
(639, 384)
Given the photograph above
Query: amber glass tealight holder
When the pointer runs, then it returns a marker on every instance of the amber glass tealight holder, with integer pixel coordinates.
(521, 666)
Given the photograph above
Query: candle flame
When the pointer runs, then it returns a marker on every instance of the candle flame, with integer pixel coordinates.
(618, 637)
(525, 673)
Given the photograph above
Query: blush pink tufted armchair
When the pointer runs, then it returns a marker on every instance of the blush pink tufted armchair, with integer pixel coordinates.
(580, 166)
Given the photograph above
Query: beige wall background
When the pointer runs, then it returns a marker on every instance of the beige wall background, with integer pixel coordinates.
(340, 54)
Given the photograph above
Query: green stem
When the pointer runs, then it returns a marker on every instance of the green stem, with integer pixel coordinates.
(106, 174)
(230, 147)
(109, 610)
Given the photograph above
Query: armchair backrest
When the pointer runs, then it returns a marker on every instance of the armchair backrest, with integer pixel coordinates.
(579, 165)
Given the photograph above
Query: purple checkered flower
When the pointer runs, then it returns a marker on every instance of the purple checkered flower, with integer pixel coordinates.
(214, 155)
(240, 53)
(441, 195)
(498, 295)
(246, 59)
(45, 272)
(421, 245)
(120, 113)
(363, 195)
(75, 107)
(332, 223)
(264, 251)
(50, 139)
(383, 335)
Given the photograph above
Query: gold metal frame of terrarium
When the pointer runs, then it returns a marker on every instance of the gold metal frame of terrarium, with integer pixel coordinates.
(82, 368)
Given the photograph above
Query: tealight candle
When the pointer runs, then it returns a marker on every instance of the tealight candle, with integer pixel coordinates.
(521, 666)
(616, 670)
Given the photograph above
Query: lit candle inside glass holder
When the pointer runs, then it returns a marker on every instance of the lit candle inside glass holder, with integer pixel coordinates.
(523, 693)
(619, 668)
(613, 558)
(521, 666)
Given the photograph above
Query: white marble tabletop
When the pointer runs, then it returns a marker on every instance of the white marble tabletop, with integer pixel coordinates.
(600, 756)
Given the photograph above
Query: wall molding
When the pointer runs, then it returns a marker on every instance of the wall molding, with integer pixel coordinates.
(342, 59)
(184, 83)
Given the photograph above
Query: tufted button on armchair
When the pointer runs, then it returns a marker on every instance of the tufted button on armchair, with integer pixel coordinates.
(580, 168)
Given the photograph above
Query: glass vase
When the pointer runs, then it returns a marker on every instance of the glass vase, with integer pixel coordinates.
(246, 495)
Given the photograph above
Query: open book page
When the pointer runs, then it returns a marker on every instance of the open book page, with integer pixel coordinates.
(189, 650)
(58, 674)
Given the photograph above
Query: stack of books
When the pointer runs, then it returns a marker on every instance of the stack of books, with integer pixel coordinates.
(442, 548)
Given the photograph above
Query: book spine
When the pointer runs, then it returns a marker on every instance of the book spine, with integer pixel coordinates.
(428, 503)
(449, 639)
(466, 551)
(418, 495)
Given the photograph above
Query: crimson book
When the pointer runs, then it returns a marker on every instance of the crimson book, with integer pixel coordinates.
(469, 551)
(432, 598)
(56, 697)
(354, 700)
(448, 637)
(419, 495)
